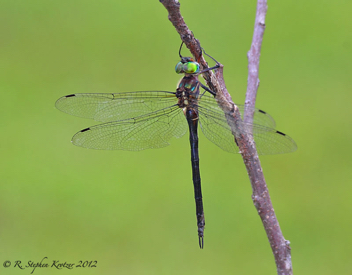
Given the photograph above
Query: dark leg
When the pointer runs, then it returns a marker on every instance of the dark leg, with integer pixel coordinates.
(212, 68)
(207, 89)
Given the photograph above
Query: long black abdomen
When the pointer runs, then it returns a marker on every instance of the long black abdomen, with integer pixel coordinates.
(192, 119)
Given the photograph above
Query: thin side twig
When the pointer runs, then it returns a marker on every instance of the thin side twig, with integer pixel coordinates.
(216, 83)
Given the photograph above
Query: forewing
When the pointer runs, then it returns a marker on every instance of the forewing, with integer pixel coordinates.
(116, 106)
(153, 130)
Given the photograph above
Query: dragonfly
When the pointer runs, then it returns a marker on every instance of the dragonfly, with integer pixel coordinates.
(149, 119)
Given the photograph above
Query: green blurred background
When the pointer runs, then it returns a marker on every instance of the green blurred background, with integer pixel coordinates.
(134, 212)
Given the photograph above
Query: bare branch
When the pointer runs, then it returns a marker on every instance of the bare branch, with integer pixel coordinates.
(261, 198)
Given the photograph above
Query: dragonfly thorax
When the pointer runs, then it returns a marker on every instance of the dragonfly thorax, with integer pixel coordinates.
(187, 91)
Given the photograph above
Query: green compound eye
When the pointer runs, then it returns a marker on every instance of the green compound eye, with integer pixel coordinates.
(179, 68)
(191, 67)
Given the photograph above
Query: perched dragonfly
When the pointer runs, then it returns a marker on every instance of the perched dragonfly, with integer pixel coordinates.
(149, 119)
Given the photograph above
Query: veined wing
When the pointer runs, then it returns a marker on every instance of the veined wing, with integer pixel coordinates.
(260, 117)
(268, 141)
(153, 130)
(106, 107)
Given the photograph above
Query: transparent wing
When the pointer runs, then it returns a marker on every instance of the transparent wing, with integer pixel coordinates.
(118, 106)
(260, 117)
(153, 130)
(268, 141)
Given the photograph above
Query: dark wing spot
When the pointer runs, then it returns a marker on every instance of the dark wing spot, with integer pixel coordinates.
(281, 133)
(261, 111)
(70, 95)
(84, 130)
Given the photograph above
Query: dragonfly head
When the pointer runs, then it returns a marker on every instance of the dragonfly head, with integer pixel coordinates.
(187, 65)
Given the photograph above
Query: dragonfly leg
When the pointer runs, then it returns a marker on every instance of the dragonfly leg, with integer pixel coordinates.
(217, 65)
(207, 89)
(209, 69)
